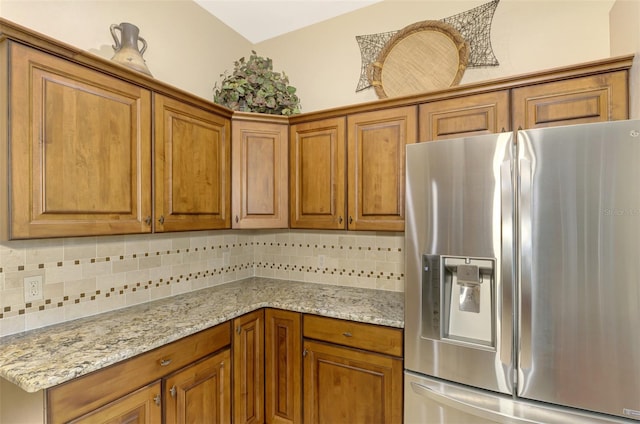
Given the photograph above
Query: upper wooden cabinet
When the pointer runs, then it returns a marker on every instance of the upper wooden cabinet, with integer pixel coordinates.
(260, 163)
(317, 181)
(192, 167)
(465, 116)
(593, 98)
(376, 159)
(79, 146)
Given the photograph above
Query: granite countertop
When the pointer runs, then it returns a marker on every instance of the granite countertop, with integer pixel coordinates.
(42, 358)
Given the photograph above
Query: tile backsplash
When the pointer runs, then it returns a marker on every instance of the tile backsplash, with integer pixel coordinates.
(86, 276)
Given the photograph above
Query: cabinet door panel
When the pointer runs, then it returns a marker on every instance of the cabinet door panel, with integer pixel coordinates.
(80, 150)
(283, 371)
(465, 116)
(376, 156)
(317, 181)
(260, 175)
(192, 167)
(200, 393)
(140, 407)
(582, 100)
(248, 368)
(350, 386)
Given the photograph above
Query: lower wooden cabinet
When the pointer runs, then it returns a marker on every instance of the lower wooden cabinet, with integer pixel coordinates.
(140, 407)
(200, 392)
(347, 377)
(248, 368)
(283, 370)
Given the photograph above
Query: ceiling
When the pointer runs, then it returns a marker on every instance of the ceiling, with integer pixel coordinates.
(260, 20)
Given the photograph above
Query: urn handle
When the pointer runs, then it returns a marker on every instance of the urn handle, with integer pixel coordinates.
(118, 44)
(113, 29)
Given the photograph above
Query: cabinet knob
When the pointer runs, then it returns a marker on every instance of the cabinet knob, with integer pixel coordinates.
(237, 219)
(173, 391)
(350, 220)
(147, 220)
(156, 399)
(339, 220)
(304, 352)
(161, 219)
(165, 362)
(347, 334)
(238, 329)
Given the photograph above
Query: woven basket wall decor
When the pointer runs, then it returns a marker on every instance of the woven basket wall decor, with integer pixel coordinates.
(424, 56)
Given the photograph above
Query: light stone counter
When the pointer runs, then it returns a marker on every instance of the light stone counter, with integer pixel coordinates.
(42, 358)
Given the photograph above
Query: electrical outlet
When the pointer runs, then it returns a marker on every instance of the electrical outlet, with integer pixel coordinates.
(226, 258)
(33, 288)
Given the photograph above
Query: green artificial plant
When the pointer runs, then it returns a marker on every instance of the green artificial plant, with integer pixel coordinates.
(255, 87)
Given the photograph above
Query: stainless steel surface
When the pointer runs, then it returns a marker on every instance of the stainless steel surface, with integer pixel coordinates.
(430, 401)
(551, 238)
(580, 266)
(455, 202)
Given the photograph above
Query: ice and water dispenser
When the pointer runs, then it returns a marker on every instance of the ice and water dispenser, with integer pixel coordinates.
(459, 299)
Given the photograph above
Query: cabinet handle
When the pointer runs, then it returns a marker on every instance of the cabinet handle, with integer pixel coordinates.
(173, 391)
(156, 399)
(350, 220)
(237, 219)
(238, 329)
(304, 352)
(339, 220)
(165, 362)
(147, 220)
(161, 219)
(222, 364)
(347, 334)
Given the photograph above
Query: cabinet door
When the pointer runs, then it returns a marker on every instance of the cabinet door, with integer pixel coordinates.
(260, 157)
(349, 386)
(594, 98)
(317, 176)
(376, 154)
(248, 368)
(200, 393)
(80, 150)
(192, 167)
(283, 356)
(465, 116)
(140, 407)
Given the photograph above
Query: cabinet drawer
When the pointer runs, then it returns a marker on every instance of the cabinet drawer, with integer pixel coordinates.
(89, 392)
(370, 337)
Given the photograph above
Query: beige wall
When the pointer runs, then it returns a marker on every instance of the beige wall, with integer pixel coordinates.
(187, 47)
(625, 38)
(190, 49)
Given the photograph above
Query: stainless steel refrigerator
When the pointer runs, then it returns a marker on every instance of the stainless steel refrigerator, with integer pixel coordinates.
(522, 297)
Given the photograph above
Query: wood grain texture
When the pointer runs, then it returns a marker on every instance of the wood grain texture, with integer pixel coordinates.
(248, 368)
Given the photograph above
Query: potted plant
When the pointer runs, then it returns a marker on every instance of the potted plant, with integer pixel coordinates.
(255, 87)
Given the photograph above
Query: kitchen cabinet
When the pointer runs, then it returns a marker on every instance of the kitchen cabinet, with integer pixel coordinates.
(192, 167)
(352, 372)
(140, 407)
(248, 368)
(283, 369)
(79, 146)
(318, 174)
(260, 166)
(476, 114)
(200, 393)
(103, 393)
(375, 161)
(352, 180)
(580, 100)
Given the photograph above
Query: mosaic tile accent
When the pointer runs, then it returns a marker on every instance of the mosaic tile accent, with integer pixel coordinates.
(86, 276)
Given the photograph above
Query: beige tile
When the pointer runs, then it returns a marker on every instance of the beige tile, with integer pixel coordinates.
(12, 325)
(110, 246)
(45, 251)
(80, 248)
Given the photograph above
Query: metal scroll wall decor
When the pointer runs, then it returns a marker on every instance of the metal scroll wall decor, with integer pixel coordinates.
(474, 26)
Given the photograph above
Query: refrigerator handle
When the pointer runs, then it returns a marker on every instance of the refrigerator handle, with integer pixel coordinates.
(506, 317)
(465, 404)
(524, 251)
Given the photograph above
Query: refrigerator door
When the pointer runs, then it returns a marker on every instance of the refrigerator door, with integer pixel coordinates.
(432, 401)
(579, 249)
(458, 292)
